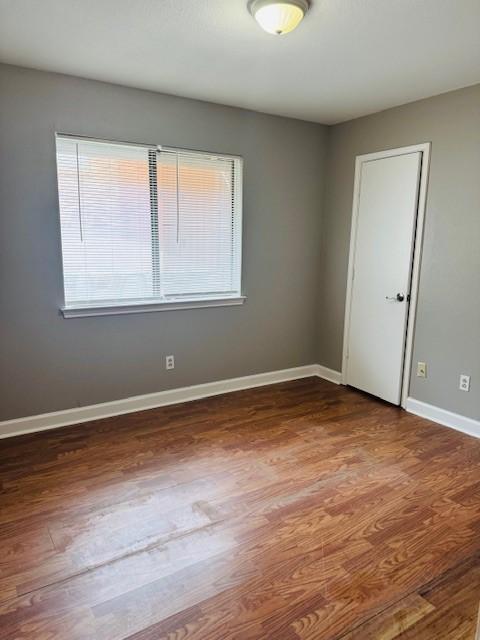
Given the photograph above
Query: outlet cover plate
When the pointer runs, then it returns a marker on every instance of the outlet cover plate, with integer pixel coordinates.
(421, 369)
(464, 382)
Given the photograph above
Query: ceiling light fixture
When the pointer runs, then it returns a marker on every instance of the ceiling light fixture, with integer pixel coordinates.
(278, 16)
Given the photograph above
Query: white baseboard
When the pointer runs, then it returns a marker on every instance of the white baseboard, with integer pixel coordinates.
(67, 417)
(329, 374)
(442, 416)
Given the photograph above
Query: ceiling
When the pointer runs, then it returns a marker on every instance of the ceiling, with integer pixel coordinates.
(347, 58)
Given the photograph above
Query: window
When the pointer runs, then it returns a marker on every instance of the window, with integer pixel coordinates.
(147, 226)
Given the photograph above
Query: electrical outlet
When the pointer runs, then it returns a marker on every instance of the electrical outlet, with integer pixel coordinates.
(464, 383)
(170, 362)
(421, 369)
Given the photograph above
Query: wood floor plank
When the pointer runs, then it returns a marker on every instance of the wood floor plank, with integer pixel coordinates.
(299, 511)
(401, 616)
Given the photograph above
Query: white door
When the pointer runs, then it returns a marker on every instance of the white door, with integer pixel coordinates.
(382, 266)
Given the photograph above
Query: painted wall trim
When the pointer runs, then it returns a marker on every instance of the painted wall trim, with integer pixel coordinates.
(67, 417)
(328, 374)
(442, 416)
(112, 310)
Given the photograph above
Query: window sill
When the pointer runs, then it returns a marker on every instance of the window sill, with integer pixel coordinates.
(120, 309)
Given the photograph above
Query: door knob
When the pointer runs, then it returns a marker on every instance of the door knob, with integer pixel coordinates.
(398, 298)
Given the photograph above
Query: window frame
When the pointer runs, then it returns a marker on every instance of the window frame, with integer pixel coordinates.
(143, 306)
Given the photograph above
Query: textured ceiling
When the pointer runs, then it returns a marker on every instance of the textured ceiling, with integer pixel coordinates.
(348, 57)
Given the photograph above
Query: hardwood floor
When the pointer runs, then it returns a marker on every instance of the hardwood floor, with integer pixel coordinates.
(298, 511)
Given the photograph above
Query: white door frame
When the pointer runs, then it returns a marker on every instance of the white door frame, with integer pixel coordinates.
(417, 253)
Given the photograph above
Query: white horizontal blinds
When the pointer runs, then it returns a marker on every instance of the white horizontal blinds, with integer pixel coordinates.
(199, 224)
(105, 221)
(141, 225)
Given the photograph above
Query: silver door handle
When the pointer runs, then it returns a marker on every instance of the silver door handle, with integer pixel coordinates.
(398, 298)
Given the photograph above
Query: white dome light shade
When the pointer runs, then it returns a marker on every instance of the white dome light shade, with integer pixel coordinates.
(278, 16)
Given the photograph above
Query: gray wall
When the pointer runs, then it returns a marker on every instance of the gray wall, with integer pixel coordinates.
(447, 334)
(296, 293)
(49, 363)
